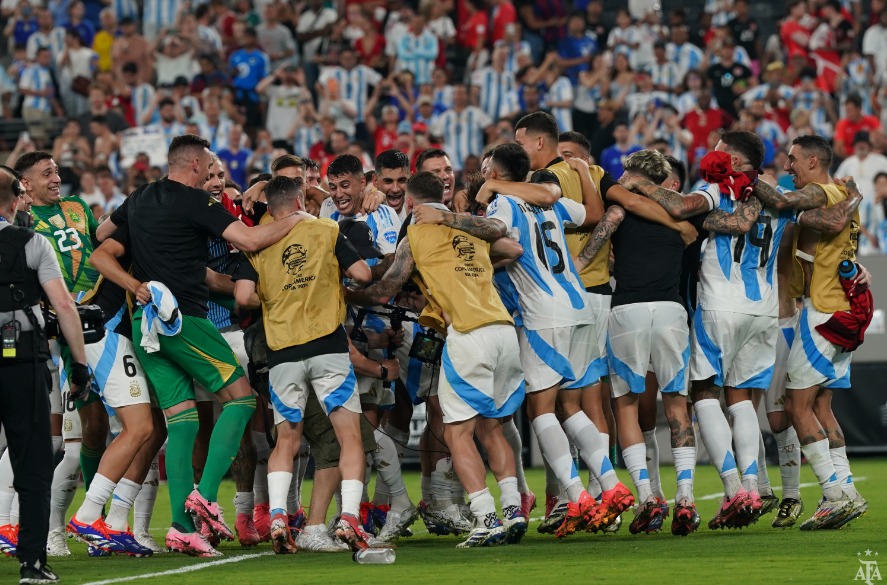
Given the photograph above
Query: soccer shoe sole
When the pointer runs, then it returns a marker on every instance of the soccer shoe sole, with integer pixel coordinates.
(180, 546)
(195, 506)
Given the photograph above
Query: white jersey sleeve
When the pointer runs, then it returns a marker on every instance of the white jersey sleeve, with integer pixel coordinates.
(571, 213)
(384, 224)
(712, 194)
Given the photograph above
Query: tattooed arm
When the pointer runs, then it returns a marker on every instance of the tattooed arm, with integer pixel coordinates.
(391, 284)
(736, 223)
(809, 197)
(601, 234)
(829, 221)
(485, 228)
(677, 205)
(379, 270)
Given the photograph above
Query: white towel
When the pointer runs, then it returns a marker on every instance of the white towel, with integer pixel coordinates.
(161, 317)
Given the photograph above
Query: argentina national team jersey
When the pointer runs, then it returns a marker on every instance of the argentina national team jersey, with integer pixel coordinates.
(738, 273)
(543, 284)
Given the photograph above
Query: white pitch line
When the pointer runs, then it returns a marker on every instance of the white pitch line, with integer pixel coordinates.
(188, 569)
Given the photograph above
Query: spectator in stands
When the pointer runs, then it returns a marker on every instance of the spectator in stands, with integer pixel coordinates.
(106, 146)
(853, 122)
(879, 213)
(612, 156)
(577, 48)
(47, 36)
(558, 96)
(103, 43)
(865, 166)
(274, 38)
(77, 21)
(874, 47)
(40, 101)
(746, 33)
(795, 32)
(215, 127)
(173, 57)
(602, 137)
(680, 51)
(701, 121)
(168, 123)
(666, 75)
(208, 37)
(624, 39)
(503, 13)
(494, 83)
(315, 22)
(417, 50)
(235, 157)
(22, 23)
(248, 65)
(370, 46)
(474, 30)
(98, 106)
(285, 91)
(112, 198)
(159, 15)
(76, 66)
(729, 79)
(463, 128)
(353, 81)
(89, 189)
(544, 23)
(71, 152)
(131, 47)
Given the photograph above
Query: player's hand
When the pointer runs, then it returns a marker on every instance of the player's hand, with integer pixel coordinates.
(842, 181)
(486, 194)
(862, 280)
(251, 195)
(577, 164)
(460, 202)
(79, 381)
(372, 199)
(142, 294)
(688, 233)
(393, 369)
(426, 214)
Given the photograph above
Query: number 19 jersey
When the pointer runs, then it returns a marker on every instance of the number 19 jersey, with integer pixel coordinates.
(543, 283)
(738, 273)
(70, 226)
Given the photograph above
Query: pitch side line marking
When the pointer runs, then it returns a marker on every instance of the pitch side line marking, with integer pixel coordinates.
(188, 569)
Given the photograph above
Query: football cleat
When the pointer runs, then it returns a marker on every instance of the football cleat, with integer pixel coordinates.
(550, 503)
(612, 528)
(579, 515)
(210, 513)
(451, 517)
(95, 534)
(9, 539)
(554, 519)
(613, 502)
(656, 523)
(94, 552)
(527, 503)
(316, 539)
(146, 540)
(38, 573)
(515, 524)
(396, 523)
(647, 517)
(130, 545)
(859, 508)
(349, 531)
(246, 530)
(430, 524)
(379, 514)
(366, 518)
(730, 511)
(297, 521)
(486, 532)
(57, 543)
(208, 533)
(190, 543)
(686, 519)
(262, 520)
(281, 536)
(828, 513)
(770, 502)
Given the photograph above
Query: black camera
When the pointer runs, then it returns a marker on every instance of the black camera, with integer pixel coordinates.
(92, 320)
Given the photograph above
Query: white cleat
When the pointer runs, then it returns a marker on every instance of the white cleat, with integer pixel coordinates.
(147, 541)
(316, 539)
(57, 543)
(396, 523)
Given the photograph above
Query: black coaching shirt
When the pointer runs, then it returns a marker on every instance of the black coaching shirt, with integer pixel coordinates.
(168, 225)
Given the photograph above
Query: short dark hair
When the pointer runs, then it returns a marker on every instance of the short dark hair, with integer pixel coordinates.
(855, 99)
(166, 102)
(260, 177)
(576, 138)
(104, 170)
(229, 184)
(425, 187)
(813, 145)
(311, 164)
(345, 164)
(512, 161)
(878, 176)
(679, 168)
(286, 161)
(392, 159)
(539, 123)
(429, 154)
(9, 186)
(99, 119)
(747, 144)
(183, 143)
(29, 159)
(282, 192)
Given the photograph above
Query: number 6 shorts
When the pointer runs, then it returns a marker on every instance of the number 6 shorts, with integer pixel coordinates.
(119, 377)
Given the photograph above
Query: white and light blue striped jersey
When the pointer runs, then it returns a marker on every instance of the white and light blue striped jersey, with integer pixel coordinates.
(125, 9)
(561, 91)
(544, 280)
(218, 134)
(443, 96)
(738, 273)
(37, 78)
(353, 85)
(161, 13)
(142, 99)
(494, 85)
(462, 133)
(770, 130)
(384, 225)
(667, 74)
(814, 103)
(417, 55)
(54, 40)
(306, 137)
(687, 56)
(511, 61)
(759, 92)
(170, 131)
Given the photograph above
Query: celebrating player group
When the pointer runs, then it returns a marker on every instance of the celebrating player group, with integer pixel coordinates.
(304, 316)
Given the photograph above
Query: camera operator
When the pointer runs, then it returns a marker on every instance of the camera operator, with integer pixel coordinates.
(28, 269)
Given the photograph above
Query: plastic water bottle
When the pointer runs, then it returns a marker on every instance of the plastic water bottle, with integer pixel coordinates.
(374, 556)
(847, 270)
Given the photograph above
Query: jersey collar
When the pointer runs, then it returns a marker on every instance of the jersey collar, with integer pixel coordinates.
(554, 162)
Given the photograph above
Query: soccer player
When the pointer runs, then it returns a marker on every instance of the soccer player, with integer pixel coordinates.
(482, 381)
(392, 172)
(169, 221)
(436, 161)
(311, 354)
(647, 326)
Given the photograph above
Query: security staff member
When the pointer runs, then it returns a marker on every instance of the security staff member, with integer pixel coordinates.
(28, 269)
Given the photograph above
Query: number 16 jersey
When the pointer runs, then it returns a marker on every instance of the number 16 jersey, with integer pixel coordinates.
(70, 226)
(543, 285)
(738, 272)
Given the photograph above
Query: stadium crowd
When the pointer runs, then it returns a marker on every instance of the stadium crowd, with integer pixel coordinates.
(446, 141)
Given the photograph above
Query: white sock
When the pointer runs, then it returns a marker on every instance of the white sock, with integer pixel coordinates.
(746, 440)
(121, 503)
(244, 502)
(718, 439)
(457, 491)
(842, 468)
(292, 497)
(789, 462)
(635, 458)
(425, 488)
(99, 493)
(381, 496)
(143, 508)
(684, 467)
(387, 466)
(652, 447)
(299, 475)
(509, 496)
(483, 507)
(552, 485)
(763, 475)
(512, 435)
(7, 492)
(592, 448)
(820, 460)
(260, 477)
(556, 450)
(64, 485)
(594, 486)
(279, 483)
(351, 491)
(441, 494)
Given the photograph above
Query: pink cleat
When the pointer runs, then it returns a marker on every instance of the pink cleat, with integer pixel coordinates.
(527, 503)
(210, 513)
(246, 530)
(262, 520)
(190, 543)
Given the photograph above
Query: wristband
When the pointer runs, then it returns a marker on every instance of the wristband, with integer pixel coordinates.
(384, 370)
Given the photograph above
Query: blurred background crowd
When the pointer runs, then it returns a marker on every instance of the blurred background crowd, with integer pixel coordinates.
(105, 84)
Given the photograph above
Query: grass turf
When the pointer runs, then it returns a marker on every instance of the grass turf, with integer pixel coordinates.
(757, 554)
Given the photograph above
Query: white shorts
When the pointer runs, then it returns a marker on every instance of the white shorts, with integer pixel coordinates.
(417, 377)
(600, 306)
(331, 376)
(53, 363)
(648, 335)
(234, 337)
(814, 360)
(559, 356)
(481, 374)
(119, 377)
(738, 350)
(774, 397)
